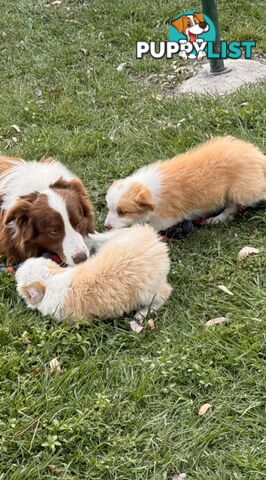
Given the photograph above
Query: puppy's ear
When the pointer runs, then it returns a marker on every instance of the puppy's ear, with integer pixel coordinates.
(34, 292)
(179, 23)
(18, 216)
(144, 199)
(200, 17)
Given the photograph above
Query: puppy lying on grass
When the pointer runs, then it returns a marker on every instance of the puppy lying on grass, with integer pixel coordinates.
(129, 273)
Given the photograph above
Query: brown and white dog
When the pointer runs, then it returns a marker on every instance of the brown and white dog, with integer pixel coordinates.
(129, 273)
(44, 208)
(191, 26)
(224, 172)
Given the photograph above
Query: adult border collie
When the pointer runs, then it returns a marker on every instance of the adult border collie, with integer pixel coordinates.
(43, 208)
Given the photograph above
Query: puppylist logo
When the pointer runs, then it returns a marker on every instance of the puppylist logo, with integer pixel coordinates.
(192, 35)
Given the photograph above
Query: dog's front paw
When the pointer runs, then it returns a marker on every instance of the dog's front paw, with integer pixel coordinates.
(219, 219)
(141, 314)
(201, 55)
(183, 55)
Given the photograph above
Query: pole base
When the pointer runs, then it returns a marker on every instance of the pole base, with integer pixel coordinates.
(225, 71)
(236, 74)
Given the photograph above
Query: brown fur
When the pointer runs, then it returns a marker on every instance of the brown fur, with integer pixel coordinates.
(111, 283)
(81, 212)
(6, 163)
(39, 289)
(135, 200)
(222, 171)
(181, 23)
(25, 229)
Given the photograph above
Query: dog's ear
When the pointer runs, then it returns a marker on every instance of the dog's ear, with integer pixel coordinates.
(200, 17)
(73, 184)
(144, 199)
(34, 292)
(30, 197)
(76, 185)
(179, 23)
(18, 216)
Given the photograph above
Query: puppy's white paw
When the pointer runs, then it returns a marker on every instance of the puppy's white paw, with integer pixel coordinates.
(141, 314)
(219, 219)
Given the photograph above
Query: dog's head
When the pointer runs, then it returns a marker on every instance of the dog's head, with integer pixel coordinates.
(191, 25)
(32, 278)
(128, 203)
(54, 221)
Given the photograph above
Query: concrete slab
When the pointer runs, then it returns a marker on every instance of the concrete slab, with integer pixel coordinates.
(239, 72)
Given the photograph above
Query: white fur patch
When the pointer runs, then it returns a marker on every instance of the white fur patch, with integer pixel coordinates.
(73, 242)
(150, 177)
(56, 285)
(25, 177)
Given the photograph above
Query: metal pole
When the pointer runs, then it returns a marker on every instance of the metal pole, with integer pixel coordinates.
(210, 9)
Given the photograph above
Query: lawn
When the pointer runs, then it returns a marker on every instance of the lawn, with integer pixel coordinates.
(125, 406)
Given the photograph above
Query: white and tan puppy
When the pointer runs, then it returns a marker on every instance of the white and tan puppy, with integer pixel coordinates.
(224, 172)
(129, 273)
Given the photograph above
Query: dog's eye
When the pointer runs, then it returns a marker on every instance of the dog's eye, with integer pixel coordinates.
(189, 24)
(53, 232)
(121, 212)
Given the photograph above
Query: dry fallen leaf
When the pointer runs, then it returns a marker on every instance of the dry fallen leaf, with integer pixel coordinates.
(245, 251)
(204, 409)
(55, 365)
(14, 139)
(225, 289)
(16, 127)
(55, 90)
(215, 321)
(135, 326)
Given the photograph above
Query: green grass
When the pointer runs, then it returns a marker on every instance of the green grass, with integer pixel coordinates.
(126, 406)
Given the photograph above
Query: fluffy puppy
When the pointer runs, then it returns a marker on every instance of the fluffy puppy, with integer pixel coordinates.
(129, 273)
(224, 172)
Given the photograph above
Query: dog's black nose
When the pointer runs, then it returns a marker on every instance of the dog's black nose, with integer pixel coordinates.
(79, 258)
(203, 24)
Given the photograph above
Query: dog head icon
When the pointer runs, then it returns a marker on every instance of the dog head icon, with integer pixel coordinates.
(191, 25)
